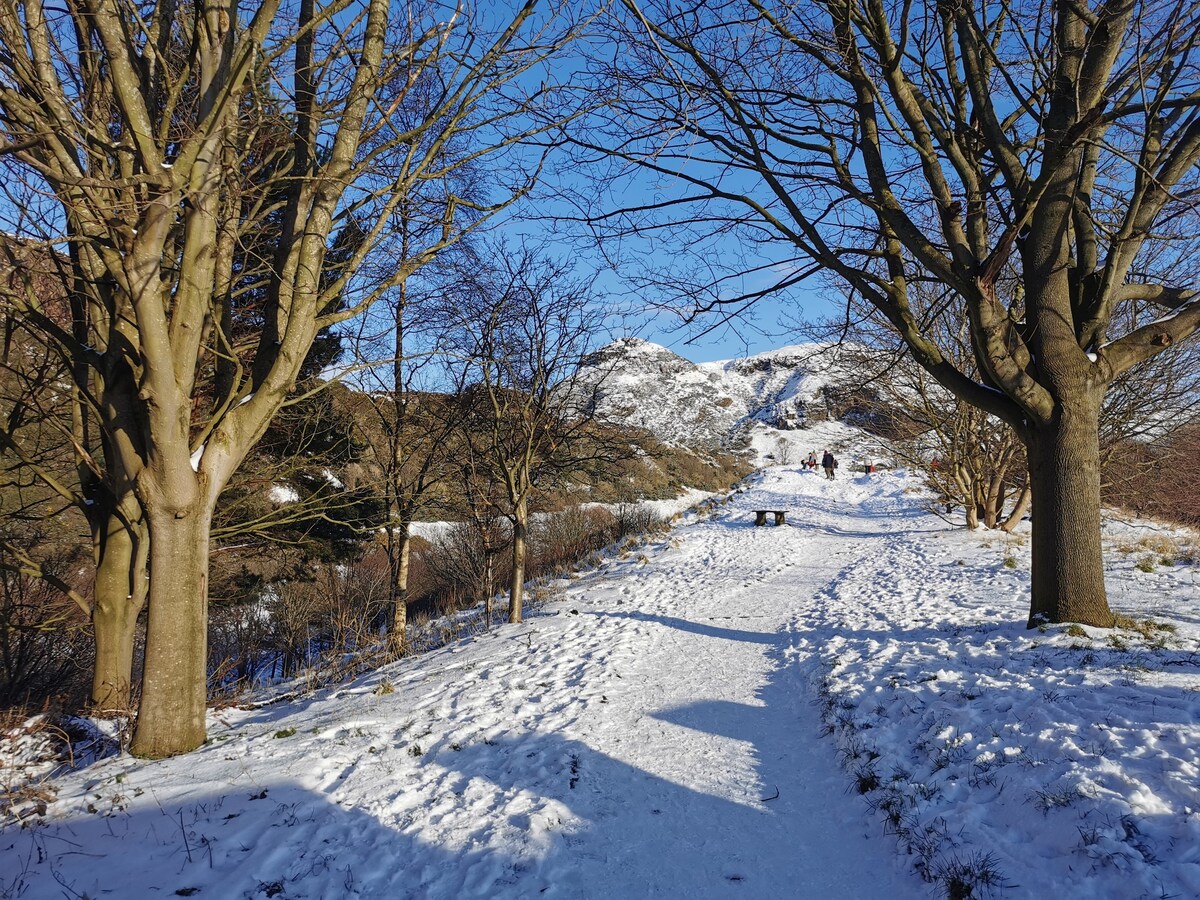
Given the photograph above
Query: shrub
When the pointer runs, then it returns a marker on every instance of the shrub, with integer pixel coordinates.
(965, 879)
(45, 650)
(458, 562)
(299, 622)
(636, 519)
(560, 540)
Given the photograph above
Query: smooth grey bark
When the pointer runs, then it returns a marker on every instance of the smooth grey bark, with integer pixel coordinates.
(174, 685)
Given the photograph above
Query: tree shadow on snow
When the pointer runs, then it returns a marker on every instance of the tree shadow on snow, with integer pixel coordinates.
(555, 817)
(522, 813)
(697, 627)
(282, 841)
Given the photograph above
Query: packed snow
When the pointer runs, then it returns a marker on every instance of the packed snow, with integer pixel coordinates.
(847, 706)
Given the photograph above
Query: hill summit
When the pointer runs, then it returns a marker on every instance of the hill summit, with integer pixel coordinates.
(718, 404)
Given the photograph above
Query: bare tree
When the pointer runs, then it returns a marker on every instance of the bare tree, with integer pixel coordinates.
(47, 443)
(1038, 160)
(143, 162)
(412, 438)
(483, 501)
(523, 335)
(410, 429)
(974, 460)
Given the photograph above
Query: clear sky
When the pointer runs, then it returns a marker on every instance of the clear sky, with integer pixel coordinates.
(771, 322)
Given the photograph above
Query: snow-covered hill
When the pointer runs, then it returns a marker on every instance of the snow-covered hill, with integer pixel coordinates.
(720, 403)
(837, 708)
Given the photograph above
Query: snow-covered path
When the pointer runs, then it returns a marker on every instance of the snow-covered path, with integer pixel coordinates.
(653, 731)
(648, 736)
(703, 765)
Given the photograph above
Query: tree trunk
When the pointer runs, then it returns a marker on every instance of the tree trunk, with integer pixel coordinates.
(489, 584)
(1064, 473)
(175, 681)
(990, 500)
(517, 588)
(1018, 511)
(995, 495)
(965, 486)
(970, 501)
(398, 637)
(121, 588)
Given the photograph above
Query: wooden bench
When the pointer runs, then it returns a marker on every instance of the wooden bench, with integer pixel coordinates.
(760, 516)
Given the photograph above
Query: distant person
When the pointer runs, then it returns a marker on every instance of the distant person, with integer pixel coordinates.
(811, 461)
(829, 464)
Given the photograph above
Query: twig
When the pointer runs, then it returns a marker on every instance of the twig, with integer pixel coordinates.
(183, 831)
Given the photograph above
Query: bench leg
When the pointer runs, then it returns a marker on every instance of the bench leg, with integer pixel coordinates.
(779, 518)
(760, 518)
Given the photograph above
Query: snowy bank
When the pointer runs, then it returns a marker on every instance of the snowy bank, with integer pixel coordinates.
(1061, 761)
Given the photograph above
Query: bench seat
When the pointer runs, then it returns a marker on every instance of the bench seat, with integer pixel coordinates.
(760, 516)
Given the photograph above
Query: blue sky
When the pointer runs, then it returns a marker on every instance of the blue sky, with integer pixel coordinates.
(773, 321)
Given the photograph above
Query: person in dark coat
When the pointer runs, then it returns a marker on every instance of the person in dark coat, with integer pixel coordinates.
(829, 464)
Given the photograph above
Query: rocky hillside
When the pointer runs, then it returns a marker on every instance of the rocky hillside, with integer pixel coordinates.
(718, 404)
